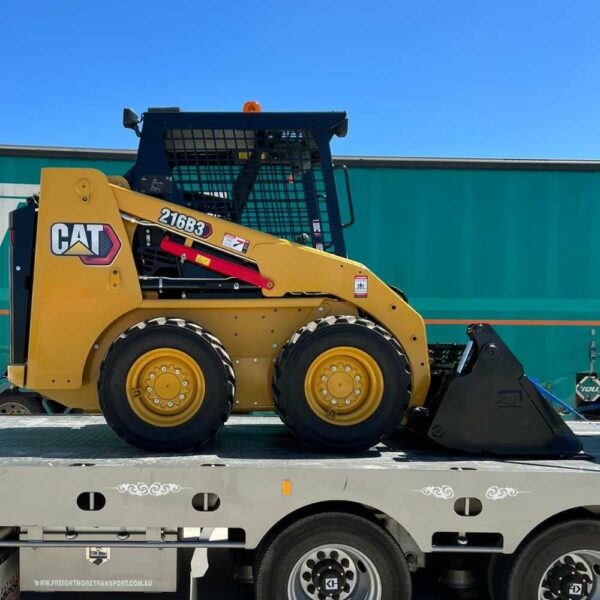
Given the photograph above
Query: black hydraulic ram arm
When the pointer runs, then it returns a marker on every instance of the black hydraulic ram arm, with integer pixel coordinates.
(488, 405)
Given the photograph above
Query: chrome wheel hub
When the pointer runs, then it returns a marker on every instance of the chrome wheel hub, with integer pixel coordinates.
(573, 576)
(334, 572)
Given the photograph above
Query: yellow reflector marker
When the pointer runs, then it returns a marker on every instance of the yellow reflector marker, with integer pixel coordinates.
(203, 260)
(286, 487)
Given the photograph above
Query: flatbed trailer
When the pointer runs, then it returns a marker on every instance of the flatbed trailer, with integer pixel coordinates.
(85, 512)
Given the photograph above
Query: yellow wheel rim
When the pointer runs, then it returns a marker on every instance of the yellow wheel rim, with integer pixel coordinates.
(165, 387)
(344, 386)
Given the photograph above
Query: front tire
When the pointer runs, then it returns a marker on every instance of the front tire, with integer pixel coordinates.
(342, 383)
(330, 555)
(166, 385)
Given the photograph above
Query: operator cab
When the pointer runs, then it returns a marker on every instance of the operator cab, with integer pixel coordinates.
(269, 171)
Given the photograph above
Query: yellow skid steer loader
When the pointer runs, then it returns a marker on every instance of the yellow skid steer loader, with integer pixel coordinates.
(213, 278)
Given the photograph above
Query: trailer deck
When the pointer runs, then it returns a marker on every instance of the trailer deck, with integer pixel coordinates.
(249, 441)
(70, 487)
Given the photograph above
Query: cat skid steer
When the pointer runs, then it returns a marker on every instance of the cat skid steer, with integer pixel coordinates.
(213, 278)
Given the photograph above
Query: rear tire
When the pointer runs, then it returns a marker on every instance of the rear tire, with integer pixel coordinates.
(359, 554)
(166, 385)
(565, 557)
(342, 383)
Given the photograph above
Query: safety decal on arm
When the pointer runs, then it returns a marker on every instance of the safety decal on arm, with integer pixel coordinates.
(235, 243)
(361, 286)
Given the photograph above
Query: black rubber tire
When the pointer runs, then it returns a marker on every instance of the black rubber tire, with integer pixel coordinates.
(297, 356)
(187, 337)
(276, 562)
(536, 556)
(31, 403)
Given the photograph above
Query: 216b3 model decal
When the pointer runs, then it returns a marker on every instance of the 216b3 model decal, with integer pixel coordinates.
(185, 223)
(93, 243)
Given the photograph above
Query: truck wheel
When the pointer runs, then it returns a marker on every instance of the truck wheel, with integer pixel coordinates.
(342, 383)
(333, 556)
(18, 403)
(166, 384)
(562, 563)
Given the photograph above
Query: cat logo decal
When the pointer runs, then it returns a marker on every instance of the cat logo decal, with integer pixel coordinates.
(93, 243)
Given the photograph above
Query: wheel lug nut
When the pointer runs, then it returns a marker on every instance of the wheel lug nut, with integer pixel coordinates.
(348, 368)
(163, 369)
(181, 397)
(148, 389)
(357, 392)
(177, 371)
(152, 376)
(324, 378)
(170, 404)
(156, 401)
(357, 378)
(334, 368)
(347, 401)
(324, 392)
(334, 401)
(184, 383)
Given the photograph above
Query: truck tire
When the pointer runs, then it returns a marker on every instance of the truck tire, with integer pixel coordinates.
(166, 384)
(326, 555)
(342, 383)
(562, 563)
(19, 403)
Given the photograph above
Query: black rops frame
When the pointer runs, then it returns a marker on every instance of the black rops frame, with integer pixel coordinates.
(151, 174)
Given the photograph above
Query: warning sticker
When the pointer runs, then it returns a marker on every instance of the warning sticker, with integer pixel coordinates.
(361, 286)
(235, 243)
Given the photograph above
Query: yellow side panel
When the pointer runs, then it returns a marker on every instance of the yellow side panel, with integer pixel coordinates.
(73, 302)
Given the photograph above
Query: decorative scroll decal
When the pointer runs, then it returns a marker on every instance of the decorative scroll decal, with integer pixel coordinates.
(441, 492)
(155, 489)
(502, 493)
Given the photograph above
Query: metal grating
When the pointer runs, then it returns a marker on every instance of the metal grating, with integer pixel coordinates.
(270, 180)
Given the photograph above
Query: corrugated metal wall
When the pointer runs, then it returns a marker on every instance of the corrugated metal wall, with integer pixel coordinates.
(513, 246)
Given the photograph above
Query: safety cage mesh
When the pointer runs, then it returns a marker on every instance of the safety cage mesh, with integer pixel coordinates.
(270, 180)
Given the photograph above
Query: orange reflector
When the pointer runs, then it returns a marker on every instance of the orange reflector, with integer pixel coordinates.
(286, 487)
(252, 106)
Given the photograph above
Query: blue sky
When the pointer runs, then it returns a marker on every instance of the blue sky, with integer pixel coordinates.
(420, 78)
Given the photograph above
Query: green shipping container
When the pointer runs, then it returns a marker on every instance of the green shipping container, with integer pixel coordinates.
(506, 241)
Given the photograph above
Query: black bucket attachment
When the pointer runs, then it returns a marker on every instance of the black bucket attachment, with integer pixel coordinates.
(486, 404)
